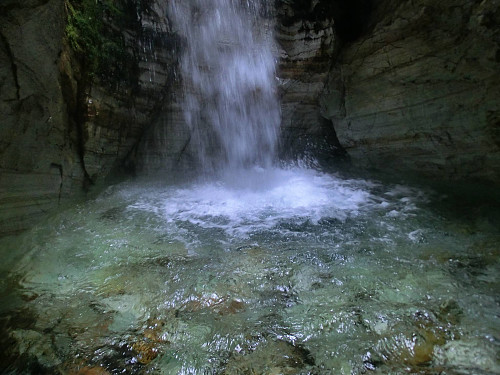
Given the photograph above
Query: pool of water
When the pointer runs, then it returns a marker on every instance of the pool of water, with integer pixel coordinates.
(280, 271)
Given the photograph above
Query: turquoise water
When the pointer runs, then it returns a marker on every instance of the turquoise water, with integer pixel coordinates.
(279, 271)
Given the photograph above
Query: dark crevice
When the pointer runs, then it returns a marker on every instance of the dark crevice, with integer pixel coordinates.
(184, 148)
(352, 18)
(59, 167)
(329, 134)
(81, 115)
(13, 65)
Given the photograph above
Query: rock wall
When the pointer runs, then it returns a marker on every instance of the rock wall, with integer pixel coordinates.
(419, 92)
(307, 45)
(38, 160)
(166, 147)
(59, 132)
(117, 116)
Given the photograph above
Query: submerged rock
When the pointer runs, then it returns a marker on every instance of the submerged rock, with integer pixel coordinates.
(273, 358)
(468, 356)
(88, 370)
(410, 343)
(37, 347)
(146, 351)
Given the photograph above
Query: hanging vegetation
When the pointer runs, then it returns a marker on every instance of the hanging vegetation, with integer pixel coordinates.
(95, 32)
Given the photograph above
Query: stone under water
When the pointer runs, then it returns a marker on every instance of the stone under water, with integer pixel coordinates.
(304, 272)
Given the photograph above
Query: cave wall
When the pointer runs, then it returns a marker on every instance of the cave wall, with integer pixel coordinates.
(419, 91)
(307, 44)
(61, 132)
(36, 147)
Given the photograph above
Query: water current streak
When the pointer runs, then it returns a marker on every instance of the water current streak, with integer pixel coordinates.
(228, 72)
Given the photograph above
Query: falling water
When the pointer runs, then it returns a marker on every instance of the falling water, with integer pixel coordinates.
(228, 71)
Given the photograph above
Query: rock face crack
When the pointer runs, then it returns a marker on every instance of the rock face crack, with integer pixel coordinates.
(13, 65)
(59, 167)
(184, 148)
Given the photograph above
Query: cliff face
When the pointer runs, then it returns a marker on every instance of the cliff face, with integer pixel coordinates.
(116, 116)
(399, 85)
(419, 92)
(307, 45)
(60, 131)
(38, 161)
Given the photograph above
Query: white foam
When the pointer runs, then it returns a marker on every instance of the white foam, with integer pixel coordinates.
(244, 201)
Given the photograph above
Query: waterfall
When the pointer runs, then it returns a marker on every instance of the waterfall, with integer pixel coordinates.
(228, 75)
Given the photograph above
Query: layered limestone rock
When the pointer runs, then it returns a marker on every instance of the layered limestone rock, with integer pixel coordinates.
(166, 147)
(38, 159)
(118, 115)
(307, 44)
(59, 132)
(419, 92)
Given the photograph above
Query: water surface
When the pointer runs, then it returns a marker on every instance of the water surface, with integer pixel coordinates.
(264, 271)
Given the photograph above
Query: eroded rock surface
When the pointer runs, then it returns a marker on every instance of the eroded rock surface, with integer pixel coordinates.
(38, 161)
(60, 132)
(307, 45)
(419, 92)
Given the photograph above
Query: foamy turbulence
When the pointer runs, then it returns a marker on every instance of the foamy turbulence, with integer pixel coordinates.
(259, 199)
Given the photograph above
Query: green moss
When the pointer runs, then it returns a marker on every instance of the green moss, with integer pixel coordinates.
(94, 31)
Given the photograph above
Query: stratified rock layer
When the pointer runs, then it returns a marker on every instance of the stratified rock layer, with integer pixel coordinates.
(38, 158)
(307, 43)
(420, 92)
(59, 132)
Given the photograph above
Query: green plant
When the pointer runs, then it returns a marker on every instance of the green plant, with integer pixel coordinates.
(94, 32)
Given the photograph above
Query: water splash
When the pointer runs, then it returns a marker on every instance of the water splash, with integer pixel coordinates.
(228, 72)
(244, 202)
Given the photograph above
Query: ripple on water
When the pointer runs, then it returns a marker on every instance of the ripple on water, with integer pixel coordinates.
(274, 271)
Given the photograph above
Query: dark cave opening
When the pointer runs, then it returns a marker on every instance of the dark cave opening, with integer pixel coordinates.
(352, 18)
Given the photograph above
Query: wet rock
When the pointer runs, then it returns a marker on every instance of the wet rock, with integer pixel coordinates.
(152, 340)
(156, 328)
(307, 41)
(36, 346)
(37, 163)
(87, 370)
(450, 312)
(59, 132)
(235, 306)
(117, 358)
(272, 358)
(146, 351)
(468, 356)
(224, 305)
(408, 344)
(422, 84)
